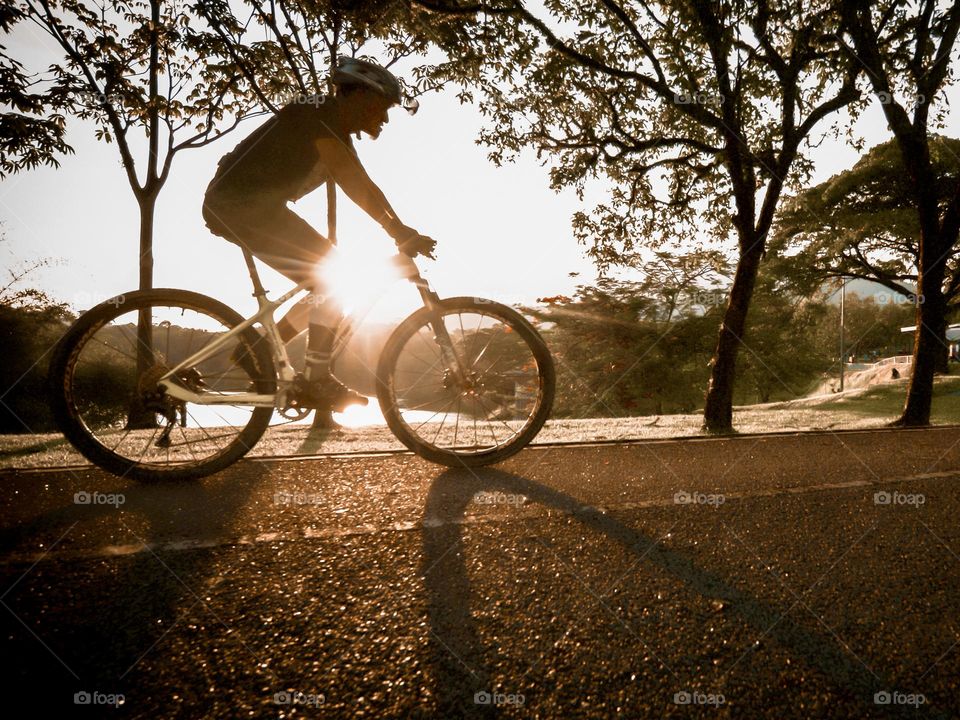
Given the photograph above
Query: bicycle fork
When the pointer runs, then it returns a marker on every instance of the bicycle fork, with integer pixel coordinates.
(431, 301)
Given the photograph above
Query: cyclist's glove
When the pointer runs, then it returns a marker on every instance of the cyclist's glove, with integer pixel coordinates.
(417, 244)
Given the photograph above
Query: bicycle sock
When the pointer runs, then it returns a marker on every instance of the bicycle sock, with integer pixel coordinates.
(319, 345)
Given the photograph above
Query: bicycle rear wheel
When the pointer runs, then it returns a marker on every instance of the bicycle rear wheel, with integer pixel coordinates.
(480, 413)
(104, 395)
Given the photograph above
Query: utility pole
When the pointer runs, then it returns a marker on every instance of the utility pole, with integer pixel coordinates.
(843, 359)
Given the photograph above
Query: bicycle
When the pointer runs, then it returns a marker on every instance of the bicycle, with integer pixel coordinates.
(185, 407)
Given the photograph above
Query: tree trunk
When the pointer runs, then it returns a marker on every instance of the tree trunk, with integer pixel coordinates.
(718, 408)
(139, 416)
(929, 338)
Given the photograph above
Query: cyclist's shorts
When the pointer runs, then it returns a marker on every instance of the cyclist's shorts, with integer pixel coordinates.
(270, 230)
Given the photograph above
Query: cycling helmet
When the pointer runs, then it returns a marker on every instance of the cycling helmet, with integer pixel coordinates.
(352, 71)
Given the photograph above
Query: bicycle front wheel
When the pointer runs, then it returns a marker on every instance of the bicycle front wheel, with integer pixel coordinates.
(104, 394)
(476, 401)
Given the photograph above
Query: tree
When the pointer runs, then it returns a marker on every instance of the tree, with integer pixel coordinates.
(906, 49)
(872, 327)
(143, 72)
(862, 223)
(31, 131)
(784, 358)
(31, 322)
(695, 113)
(614, 330)
(651, 336)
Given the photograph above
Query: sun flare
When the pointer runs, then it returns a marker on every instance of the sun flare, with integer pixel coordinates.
(357, 416)
(362, 278)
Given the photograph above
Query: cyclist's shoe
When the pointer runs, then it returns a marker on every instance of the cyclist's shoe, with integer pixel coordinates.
(328, 393)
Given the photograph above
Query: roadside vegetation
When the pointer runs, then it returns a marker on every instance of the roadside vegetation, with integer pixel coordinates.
(697, 122)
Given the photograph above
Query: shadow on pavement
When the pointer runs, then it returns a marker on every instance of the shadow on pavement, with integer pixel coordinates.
(113, 630)
(457, 658)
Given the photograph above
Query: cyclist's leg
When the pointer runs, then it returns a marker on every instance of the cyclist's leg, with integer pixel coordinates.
(286, 242)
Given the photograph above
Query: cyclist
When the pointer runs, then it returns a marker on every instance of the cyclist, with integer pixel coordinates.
(306, 144)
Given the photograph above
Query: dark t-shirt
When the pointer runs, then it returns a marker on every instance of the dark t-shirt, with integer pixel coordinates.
(280, 159)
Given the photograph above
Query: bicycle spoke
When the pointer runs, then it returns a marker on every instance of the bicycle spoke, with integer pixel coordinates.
(420, 378)
(439, 429)
(456, 427)
(434, 415)
(109, 386)
(147, 446)
(490, 401)
(490, 417)
(187, 443)
(115, 349)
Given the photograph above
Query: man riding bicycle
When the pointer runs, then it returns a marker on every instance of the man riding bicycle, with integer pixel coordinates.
(306, 144)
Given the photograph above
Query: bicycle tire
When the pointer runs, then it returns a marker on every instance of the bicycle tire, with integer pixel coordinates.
(67, 416)
(452, 457)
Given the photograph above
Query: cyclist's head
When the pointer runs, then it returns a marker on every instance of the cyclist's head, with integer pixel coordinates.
(352, 74)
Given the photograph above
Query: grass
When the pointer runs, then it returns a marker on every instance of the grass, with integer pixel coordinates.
(871, 407)
(887, 401)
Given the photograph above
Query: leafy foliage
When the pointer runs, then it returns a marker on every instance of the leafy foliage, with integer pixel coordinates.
(146, 66)
(694, 114)
(906, 49)
(862, 223)
(285, 49)
(617, 356)
(620, 351)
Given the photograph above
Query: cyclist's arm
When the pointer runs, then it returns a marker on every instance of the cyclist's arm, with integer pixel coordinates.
(349, 174)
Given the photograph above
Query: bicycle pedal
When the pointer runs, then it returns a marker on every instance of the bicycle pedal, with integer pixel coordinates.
(326, 394)
(343, 403)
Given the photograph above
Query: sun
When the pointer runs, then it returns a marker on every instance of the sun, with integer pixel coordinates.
(358, 416)
(364, 280)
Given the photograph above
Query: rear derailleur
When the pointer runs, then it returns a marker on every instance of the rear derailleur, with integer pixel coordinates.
(154, 399)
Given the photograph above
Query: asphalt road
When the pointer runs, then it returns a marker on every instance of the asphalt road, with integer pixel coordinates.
(781, 577)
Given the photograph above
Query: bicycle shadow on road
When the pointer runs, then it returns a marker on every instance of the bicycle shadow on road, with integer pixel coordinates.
(457, 655)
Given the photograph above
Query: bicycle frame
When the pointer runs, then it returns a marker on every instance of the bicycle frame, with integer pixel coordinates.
(172, 386)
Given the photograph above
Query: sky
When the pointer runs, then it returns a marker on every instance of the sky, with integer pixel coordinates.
(501, 232)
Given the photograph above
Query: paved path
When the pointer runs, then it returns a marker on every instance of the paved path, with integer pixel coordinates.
(779, 577)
